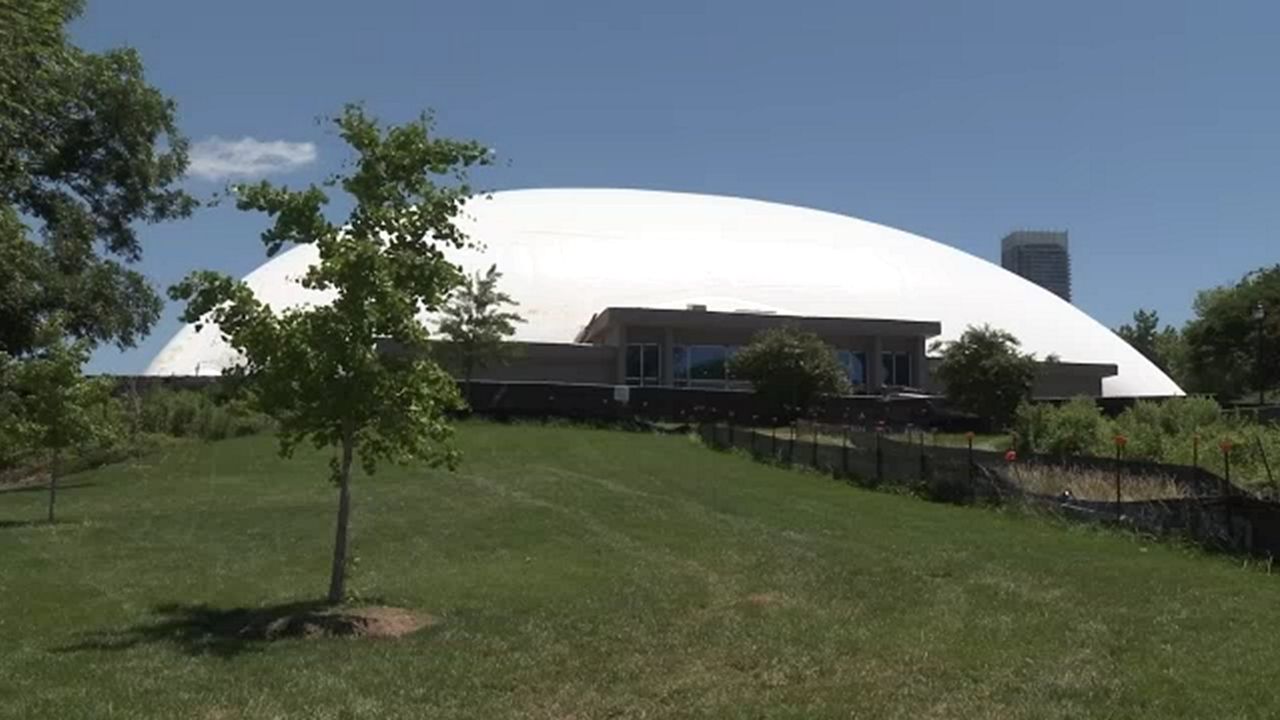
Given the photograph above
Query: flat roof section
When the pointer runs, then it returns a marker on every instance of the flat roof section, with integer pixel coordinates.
(696, 318)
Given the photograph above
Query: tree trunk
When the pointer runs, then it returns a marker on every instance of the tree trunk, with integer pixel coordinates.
(338, 578)
(53, 482)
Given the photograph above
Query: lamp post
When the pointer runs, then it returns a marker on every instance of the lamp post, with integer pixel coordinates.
(1260, 314)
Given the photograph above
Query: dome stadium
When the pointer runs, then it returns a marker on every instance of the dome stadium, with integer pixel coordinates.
(567, 255)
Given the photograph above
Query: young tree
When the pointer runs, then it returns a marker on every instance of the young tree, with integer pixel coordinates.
(789, 369)
(13, 441)
(87, 149)
(476, 324)
(985, 373)
(318, 370)
(58, 407)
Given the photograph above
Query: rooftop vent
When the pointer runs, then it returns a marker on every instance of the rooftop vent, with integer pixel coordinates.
(695, 307)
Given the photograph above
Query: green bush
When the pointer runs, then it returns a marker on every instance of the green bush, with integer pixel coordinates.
(1076, 427)
(144, 421)
(207, 415)
(1178, 431)
(1148, 431)
(1030, 425)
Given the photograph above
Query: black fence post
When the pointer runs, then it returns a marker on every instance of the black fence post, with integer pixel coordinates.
(815, 444)
(791, 446)
(924, 464)
(773, 433)
(1266, 463)
(1120, 440)
(969, 438)
(731, 443)
(879, 459)
(844, 451)
(1225, 446)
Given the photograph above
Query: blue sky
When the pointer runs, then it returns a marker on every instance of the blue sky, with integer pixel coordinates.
(1150, 130)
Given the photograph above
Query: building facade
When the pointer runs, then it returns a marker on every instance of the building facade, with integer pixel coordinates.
(691, 349)
(1043, 257)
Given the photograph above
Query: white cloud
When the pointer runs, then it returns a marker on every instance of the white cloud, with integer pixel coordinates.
(216, 159)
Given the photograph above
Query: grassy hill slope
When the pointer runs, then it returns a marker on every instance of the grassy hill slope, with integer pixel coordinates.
(587, 573)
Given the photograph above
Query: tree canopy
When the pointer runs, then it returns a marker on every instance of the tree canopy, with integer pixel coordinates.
(320, 370)
(789, 369)
(1162, 346)
(986, 373)
(1222, 339)
(87, 150)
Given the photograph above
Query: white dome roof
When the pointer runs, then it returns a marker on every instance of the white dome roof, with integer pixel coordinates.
(566, 254)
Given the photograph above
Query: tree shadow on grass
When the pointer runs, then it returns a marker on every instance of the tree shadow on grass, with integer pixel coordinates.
(43, 487)
(202, 630)
(8, 524)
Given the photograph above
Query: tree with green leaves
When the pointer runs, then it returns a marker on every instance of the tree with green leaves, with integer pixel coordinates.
(1142, 333)
(1163, 347)
(789, 369)
(986, 373)
(57, 407)
(319, 370)
(1229, 351)
(87, 149)
(476, 324)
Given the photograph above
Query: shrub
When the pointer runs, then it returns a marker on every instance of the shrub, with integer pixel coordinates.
(1074, 428)
(1188, 414)
(1030, 425)
(1163, 432)
(986, 373)
(207, 415)
(1145, 427)
(789, 369)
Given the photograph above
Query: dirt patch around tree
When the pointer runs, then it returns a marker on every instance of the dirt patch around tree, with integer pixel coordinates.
(377, 621)
(766, 599)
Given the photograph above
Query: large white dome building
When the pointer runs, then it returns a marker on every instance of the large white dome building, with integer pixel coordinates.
(566, 254)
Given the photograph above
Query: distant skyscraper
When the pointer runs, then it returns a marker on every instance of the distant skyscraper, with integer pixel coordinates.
(1040, 256)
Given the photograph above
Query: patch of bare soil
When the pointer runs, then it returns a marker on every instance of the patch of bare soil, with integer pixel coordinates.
(766, 599)
(360, 622)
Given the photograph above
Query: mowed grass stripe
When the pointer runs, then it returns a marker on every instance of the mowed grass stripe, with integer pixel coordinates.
(595, 573)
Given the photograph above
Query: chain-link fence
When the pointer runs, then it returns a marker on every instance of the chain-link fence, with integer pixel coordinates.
(1161, 499)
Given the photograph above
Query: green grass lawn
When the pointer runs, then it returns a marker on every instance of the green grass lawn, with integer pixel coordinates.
(589, 574)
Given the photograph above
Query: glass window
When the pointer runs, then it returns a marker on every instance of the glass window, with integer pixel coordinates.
(644, 366)
(858, 369)
(855, 366)
(902, 368)
(651, 365)
(635, 363)
(897, 368)
(680, 365)
(706, 363)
